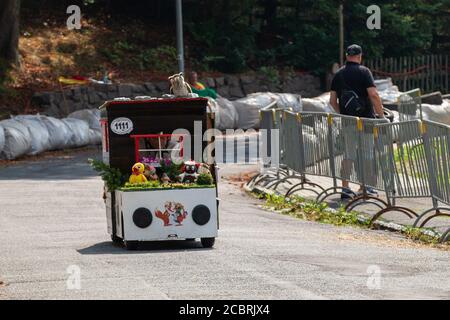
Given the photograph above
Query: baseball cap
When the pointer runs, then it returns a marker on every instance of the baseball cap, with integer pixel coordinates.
(353, 50)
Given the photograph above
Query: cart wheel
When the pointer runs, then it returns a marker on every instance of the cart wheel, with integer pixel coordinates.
(131, 245)
(116, 239)
(208, 242)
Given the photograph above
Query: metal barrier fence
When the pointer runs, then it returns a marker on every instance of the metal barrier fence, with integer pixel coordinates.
(334, 146)
(405, 173)
(407, 159)
(436, 138)
(410, 105)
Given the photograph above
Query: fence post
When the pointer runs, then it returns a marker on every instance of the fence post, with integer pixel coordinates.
(331, 148)
(431, 174)
(359, 155)
(302, 150)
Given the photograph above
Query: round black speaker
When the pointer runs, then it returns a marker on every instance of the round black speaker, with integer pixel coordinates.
(142, 218)
(201, 215)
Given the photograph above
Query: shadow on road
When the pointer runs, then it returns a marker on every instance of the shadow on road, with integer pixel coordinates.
(72, 166)
(144, 247)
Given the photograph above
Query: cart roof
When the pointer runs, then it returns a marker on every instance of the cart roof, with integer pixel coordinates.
(112, 103)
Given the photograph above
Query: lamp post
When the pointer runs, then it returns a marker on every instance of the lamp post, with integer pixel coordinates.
(180, 45)
(341, 34)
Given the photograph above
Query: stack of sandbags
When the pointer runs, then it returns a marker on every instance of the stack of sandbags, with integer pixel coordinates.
(244, 113)
(92, 117)
(17, 139)
(40, 137)
(34, 134)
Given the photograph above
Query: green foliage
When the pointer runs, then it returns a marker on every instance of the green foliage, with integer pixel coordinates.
(305, 34)
(205, 179)
(125, 54)
(172, 169)
(313, 211)
(272, 74)
(112, 177)
(66, 47)
(238, 35)
(418, 234)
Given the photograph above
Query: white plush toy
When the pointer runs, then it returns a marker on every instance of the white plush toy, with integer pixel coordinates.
(179, 88)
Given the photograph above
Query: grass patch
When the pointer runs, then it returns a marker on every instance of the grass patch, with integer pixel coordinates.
(417, 234)
(298, 207)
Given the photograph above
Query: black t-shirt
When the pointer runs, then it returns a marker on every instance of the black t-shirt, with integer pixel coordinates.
(357, 78)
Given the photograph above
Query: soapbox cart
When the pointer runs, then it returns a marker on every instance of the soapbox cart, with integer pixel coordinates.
(138, 130)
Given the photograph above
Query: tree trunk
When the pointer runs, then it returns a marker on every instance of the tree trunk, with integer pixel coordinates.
(9, 31)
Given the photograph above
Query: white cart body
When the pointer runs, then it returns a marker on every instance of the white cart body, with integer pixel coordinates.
(165, 207)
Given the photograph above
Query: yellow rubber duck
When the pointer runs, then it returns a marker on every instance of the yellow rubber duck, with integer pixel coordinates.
(138, 174)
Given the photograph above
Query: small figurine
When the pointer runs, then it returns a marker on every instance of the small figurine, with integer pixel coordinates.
(203, 169)
(165, 180)
(137, 175)
(189, 172)
(179, 88)
(150, 173)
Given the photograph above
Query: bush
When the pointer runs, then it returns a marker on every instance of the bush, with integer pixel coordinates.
(205, 179)
(112, 177)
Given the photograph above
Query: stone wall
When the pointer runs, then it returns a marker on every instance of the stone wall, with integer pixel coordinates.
(59, 104)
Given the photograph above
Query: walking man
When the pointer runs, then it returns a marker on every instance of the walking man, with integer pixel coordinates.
(353, 93)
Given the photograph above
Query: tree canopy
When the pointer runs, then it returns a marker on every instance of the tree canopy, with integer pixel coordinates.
(237, 35)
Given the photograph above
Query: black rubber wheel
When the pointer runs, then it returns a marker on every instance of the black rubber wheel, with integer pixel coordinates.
(208, 242)
(116, 239)
(131, 245)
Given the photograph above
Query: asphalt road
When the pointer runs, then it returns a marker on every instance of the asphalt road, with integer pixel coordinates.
(52, 220)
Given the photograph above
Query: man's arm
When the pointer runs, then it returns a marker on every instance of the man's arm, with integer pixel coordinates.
(334, 101)
(376, 101)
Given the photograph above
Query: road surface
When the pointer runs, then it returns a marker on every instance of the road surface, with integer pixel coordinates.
(52, 225)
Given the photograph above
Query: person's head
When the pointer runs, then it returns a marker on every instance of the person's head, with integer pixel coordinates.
(354, 53)
(193, 77)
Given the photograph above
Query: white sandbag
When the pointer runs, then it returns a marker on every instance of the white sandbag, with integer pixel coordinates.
(40, 138)
(388, 92)
(437, 113)
(59, 133)
(284, 100)
(2, 138)
(91, 116)
(226, 116)
(289, 101)
(95, 137)
(17, 139)
(259, 99)
(248, 115)
(79, 130)
(316, 105)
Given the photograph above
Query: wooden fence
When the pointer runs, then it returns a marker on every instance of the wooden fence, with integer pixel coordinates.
(429, 72)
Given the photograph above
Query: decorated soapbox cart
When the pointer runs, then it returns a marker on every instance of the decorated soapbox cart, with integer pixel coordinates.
(168, 190)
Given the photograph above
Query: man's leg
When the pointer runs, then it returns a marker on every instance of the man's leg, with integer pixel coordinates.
(346, 172)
